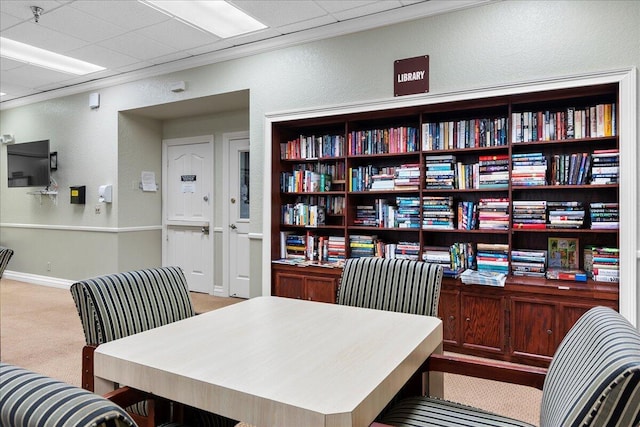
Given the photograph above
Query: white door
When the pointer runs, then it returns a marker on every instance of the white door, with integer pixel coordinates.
(188, 209)
(236, 214)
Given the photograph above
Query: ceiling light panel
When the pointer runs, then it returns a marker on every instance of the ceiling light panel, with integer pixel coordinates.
(216, 17)
(43, 58)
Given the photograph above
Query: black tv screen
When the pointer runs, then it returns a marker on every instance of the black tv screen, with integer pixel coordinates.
(28, 164)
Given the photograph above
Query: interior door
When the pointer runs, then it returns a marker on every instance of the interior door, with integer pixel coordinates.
(187, 209)
(238, 219)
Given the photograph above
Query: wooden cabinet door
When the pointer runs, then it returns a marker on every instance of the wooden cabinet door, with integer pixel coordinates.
(449, 312)
(288, 285)
(321, 289)
(483, 323)
(533, 328)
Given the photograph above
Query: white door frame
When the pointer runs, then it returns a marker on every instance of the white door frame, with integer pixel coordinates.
(226, 144)
(187, 141)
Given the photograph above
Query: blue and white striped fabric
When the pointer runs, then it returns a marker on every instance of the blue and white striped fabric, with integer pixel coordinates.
(28, 399)
(119, 305)
(5, 256)
(593, 380)
(391, 284)
(594, 376)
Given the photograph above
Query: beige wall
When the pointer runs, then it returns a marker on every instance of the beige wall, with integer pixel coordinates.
(491, 45)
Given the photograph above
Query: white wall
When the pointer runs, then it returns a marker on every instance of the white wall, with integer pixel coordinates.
(494, 44)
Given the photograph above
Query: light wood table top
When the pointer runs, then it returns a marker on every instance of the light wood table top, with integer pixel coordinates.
(272, 361)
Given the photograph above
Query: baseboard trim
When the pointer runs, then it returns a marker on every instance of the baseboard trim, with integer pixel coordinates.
(35, 279)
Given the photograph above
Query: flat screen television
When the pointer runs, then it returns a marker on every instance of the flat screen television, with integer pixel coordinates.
(28, 164)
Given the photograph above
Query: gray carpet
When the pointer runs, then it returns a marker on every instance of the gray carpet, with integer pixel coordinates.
(40, 330)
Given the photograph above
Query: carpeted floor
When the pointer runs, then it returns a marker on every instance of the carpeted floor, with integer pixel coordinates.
(40, 330)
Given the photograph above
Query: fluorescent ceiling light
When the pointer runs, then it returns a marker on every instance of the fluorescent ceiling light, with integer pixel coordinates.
(213, 16)
(2, 94)
(43, 58)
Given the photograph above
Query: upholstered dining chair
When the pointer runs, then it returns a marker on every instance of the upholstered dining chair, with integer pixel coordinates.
(118, 305)
(5, 256)
(29, 399)
(400, 285)
(593, 380)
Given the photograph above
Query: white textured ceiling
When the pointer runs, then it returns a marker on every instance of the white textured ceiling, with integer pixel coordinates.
(132, 40)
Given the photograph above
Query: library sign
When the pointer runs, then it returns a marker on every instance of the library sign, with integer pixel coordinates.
(411, 76)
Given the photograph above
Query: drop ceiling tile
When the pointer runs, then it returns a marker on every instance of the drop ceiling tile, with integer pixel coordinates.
(137, 46)
(102, 56)
(178, 35)
(307, 25)
(9, 64)
(128, 14)
(31, 76)
(7, 21)
(369, 9)
(80, 25)
(280, 12)
(169, 58)
(333, 6)
(43, 37)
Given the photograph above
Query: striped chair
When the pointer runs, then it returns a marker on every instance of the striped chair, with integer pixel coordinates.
(593, 380)
(33, 400)
(391, 284)
(119, 305)
(5, 256)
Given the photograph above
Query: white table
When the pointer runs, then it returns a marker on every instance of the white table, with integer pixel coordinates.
(273, 361)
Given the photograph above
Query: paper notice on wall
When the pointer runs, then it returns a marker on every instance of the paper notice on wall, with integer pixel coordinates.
(148, 180)
(188, 183)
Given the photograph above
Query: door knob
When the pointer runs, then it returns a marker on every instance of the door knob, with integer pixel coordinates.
(206, 198)
(205, 229)
(232, 226)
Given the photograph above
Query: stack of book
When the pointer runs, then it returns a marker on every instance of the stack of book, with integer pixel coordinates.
(528, 262)
(407, 177)
(454, 259)
(570, 169)
(493, 257)
(361, 246)
(408, 215)
(604, 216)
(383, 178)
(565, 214)
(467, 215)
(528, 169)
(407, 250)
(602, 264)
(488, 278)
(440, 171)
(530, 214)
(366, 216)
(437, 212)
(605, 166)
(295, 246)
(493, 171)
(493, 214)
(336, 250)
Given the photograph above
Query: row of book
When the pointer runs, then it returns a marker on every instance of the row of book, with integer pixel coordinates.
(312, 211)
(311, 147)
(403, 139)
(493, 260)
(404, 177)
(593, 121)
(464, 134)
(404, 212)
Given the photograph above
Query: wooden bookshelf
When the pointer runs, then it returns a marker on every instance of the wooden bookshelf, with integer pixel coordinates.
(523, 321)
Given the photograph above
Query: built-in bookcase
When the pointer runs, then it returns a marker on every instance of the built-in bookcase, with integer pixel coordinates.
(503, 173)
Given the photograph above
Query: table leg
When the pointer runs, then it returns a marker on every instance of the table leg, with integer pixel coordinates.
(434, 383)
(102, 386)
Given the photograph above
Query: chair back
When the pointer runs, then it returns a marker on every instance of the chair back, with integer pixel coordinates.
(5, 256)
(391, 284)
(33, 400)
(119, 305)
(594, 376)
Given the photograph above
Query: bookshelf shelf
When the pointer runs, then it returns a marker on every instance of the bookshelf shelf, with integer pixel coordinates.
(456, 162)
